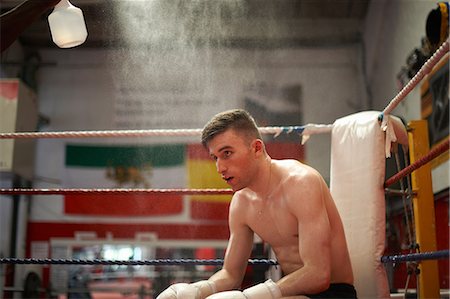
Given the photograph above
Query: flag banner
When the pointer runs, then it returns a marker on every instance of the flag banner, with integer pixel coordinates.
(44, 231)
(202, 174)
(112, 166)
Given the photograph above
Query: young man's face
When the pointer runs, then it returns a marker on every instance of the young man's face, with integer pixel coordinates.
(234, 158)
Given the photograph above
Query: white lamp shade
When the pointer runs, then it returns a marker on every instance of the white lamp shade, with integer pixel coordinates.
(67, 25)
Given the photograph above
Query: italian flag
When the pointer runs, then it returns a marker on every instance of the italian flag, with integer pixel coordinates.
(113, 166)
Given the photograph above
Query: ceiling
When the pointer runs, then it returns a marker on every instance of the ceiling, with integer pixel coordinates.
(228, 23)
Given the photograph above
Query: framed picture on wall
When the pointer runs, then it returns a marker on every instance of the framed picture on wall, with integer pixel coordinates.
(435, 100)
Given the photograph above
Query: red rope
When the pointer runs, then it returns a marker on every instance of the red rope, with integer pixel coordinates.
(441, 148)
(18, 191)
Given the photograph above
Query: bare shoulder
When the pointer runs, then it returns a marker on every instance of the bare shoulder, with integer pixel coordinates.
(300, 183)
(239, 201)
(291, 171)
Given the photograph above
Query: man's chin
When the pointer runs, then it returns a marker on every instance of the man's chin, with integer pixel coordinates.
(236, 188)
(234, 185)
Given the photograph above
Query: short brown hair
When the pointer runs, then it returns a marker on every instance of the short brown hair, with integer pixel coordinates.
(237, 119)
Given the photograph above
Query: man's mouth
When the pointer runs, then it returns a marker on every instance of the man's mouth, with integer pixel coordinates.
(228, 179)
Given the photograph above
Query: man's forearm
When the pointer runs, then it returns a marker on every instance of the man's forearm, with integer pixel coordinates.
(307, 280)
(226, 281)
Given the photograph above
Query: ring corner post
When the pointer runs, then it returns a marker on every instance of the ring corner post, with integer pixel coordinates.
(424, 214)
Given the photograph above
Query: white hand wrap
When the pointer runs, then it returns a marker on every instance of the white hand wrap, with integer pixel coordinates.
(208, 284)
(266, 290)
(186, 290)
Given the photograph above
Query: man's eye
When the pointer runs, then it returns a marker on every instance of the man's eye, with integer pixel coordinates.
(227, 153)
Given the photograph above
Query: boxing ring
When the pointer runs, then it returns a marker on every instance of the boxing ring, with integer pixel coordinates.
(387, 133)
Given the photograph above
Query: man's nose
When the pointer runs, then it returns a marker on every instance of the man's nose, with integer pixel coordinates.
(220, 166)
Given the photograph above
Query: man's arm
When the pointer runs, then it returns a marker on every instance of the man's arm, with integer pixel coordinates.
(236, 259)
(314, 238)
(238, 250)
(15, 21)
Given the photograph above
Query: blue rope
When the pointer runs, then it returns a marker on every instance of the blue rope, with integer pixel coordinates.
(295, 129)
(442, 254)
(129, 262)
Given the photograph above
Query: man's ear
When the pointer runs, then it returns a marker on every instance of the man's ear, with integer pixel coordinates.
(258, 146)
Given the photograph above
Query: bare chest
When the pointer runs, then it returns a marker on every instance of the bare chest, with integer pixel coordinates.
(274, 224)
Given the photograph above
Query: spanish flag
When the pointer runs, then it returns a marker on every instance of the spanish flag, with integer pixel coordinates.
(202, 174)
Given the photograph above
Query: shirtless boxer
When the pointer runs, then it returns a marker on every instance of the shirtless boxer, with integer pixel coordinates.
(284, 202)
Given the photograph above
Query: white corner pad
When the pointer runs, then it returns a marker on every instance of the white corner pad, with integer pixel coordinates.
(395, 132)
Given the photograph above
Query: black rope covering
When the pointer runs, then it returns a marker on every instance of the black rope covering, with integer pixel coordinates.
(442, 254)
(156, 262)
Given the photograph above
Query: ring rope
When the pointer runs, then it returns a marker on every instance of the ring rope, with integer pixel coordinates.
(105, 133)
(151, 262)
(441, 254)
(424, 70)
(72, 191)
(441, 148)
(143, 133)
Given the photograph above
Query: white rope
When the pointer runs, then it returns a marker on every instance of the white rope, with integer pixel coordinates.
(141, 133)
(106, 133)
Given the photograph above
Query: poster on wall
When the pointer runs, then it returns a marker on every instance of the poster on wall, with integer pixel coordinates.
(18, 113)
(9, 93)
(435, 100)
(435, 109)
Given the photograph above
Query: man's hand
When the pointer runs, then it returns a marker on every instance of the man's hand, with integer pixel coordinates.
(188, 290)
(266, 290)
